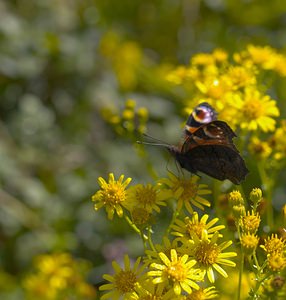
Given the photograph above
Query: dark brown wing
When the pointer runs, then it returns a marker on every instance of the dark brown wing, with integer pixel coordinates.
(218, 161)
(210, 150)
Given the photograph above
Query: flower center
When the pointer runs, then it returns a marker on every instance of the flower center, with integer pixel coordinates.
(189, 189)
(207, 254)
(196, 295)
(253, 109)
(125, 281)
(196, 228)
(274, 245)
(113, 194)
(146, 195)
(140, 216)
(176, 271)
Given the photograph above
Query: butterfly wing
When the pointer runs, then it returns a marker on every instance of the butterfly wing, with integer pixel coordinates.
(210, 150)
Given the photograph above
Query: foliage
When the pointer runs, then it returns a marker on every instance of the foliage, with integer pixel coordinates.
(80, 81)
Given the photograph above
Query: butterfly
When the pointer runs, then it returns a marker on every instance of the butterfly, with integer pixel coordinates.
(207, 146)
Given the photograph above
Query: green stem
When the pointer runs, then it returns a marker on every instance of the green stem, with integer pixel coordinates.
(241, 267)
(256, 261)
(258, 284)
(268, 184)
(144, 238)
(132, 225)
(150, 239)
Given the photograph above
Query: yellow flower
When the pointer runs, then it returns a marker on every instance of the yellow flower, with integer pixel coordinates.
(195, 225)
(274, 244)
(250, 222)
(235, 198)
(177, 271)
(209, 255)
(124, 281)
(249, 242)
(187, 191)
(178, 75)
(256, 111)
(141, 216)
(278, 141)
(58, 276)
(165, 247)
(148, 196)
(150, 291)
(203, 59)
(276, 261)
(112, 195)
(259, 148)
(214, 88)
(203, 294)
(263, 56)
(240, 76)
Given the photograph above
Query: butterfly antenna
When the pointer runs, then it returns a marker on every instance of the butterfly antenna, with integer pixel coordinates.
(153, 144)
(156, 142)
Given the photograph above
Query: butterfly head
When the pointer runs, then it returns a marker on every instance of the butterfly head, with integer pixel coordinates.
(202, 114)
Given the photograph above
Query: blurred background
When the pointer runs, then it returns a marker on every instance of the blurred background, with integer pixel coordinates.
(68, 69)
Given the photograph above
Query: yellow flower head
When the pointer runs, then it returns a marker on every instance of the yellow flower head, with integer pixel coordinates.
(177, 271)
(250, 222)
(256, 111)
(209, 255)
(249, 242)
(259, 148)
(148, 196)
(203, 294)
(57, 276)
(165, 247)
(112, 195)
(187, 191)
(141, 216)
(192, 225)
(263, 56)
(255, 195)
(276, 261)
(150, 291)
(240, 76)
(124, 281)
(235, 198)
(274, 244)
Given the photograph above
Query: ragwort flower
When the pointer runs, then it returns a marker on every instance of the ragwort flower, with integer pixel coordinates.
(192, 225)
(256, 111)
(249, 242)
(274, 244)
(148, 196)
(203, 294)
(209, 254)
(187, 191)
(112, 195)
(276, 261)
(250, 222)
(177, 271)
(124, 281)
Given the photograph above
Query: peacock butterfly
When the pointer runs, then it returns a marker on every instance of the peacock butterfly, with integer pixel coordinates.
(207, 147)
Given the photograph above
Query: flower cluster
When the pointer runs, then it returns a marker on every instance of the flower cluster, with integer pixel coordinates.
(58, 276)
(233, 86)
(127, 121)
(247, 225)
(141, 201)
(191, 255)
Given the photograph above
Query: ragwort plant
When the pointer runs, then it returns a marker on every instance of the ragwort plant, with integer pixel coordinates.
(197, 251)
